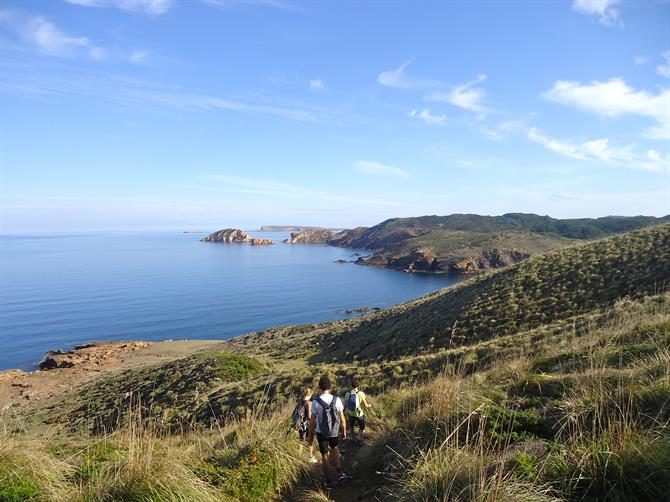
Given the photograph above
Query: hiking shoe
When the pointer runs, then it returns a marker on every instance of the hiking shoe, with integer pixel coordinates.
(327, 484)
(342, 477)
(313, 460)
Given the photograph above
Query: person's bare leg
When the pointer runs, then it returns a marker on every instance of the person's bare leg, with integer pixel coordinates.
(338, 461)
(324, 465)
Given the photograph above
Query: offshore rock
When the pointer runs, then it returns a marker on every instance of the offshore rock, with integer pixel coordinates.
(235, 236)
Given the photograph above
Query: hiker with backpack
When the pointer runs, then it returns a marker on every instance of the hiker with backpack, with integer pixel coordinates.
(327, 421)
(356, 403)
(300, 420)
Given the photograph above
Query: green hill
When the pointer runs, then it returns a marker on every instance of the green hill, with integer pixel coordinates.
(545, 381)
(548, 287)
(471, 243)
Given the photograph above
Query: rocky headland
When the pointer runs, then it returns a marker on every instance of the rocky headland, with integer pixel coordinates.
(311, 236)
(235, 236)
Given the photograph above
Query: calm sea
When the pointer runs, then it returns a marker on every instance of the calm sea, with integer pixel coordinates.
(62, 290)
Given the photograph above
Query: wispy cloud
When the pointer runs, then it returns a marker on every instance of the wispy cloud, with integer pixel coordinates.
(138, 57)
(317, 85)
(399, 79)
(664, 68)
(605, 10)
(641, 60)
(277, 4)
(601, 150)
(155, 7)
(46, 37)
(613, 98)
(467, 96)
(67, 80)
(377, 168)
(260, 186)
(427, 117)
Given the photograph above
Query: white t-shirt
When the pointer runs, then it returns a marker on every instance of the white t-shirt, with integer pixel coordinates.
(317, 409)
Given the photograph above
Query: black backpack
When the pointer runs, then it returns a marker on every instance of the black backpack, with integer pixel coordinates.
(329, 424)
(299, 416)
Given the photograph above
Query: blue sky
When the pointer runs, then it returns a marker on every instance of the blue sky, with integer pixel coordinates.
(137, 114)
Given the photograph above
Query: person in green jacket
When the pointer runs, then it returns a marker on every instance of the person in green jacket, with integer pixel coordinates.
(355, 403)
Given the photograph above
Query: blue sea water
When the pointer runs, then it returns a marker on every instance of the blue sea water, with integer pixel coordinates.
(61, 290)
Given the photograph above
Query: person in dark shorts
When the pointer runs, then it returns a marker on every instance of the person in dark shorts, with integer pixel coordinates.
(327, 421)
(356, 402)
(301, 416)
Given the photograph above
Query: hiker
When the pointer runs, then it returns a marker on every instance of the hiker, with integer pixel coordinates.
(300, 420)
(355, 401)
(327, 421)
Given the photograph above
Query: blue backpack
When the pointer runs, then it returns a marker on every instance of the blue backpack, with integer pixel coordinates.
(352, 402)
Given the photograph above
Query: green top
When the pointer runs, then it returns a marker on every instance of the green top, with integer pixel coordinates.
(359, 411)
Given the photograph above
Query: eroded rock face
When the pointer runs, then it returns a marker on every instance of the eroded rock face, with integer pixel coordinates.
(89, 356)
(311, 236)
(425, 261)
(235, 236)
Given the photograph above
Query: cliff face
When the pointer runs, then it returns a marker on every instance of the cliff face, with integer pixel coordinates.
(422, 260)
(235, 236)
(312, 236)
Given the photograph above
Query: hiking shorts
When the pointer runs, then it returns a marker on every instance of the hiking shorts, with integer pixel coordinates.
(354, 420)
(325, 442)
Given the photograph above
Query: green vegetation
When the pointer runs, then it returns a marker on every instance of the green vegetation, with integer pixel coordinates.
(545, 381)
(170, 393)
(471, 243)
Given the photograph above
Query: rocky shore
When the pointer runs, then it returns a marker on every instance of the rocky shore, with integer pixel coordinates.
(235, 236)
(311, 236)
(421, 260)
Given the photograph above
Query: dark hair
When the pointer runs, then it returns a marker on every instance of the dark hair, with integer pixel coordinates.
(324, 382)
(354, 382)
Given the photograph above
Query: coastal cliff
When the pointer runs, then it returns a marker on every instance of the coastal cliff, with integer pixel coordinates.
(235, 236)
(311, 236)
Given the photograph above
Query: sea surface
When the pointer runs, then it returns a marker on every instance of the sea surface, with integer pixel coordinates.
(58, 291)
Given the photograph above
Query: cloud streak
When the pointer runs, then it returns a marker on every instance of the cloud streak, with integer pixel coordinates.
(47, 38)
(260, 186)
(467, 96)
(427, 117)
(155, 7)
(379, 169)
(399, 79)
(601, 150)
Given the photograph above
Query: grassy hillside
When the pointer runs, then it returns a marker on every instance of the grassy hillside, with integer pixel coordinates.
(397, 229)
(546, 381)
(548, 287)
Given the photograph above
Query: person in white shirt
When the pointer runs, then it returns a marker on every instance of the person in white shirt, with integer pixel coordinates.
(327, 421)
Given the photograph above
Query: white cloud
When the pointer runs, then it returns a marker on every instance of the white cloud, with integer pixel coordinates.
(600, 150)
(640, 60)
(47, 37)
(427, 117)
(606, 11)
(372, 167)
(467, 96)
(156, 7)
(399, 79)
(664, 69)
(138, 57)
(613, 98)
(317, 85)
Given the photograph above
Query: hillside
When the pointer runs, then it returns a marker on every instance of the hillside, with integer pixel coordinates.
(548, 381)
(471, 243)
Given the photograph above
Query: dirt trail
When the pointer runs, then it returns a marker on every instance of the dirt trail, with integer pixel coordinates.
(358, 487)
